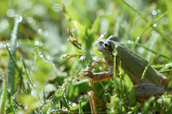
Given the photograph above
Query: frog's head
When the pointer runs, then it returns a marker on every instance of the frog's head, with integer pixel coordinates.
(107, 46)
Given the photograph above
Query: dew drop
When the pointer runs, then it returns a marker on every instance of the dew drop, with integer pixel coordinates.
(4, 25)
(40, 31)
(129, 42)
(138, 38)
(19, 18)
(106, 94)
(48, 57)
(74, 104)
(159, 101)
(153, 33)
(36, 42)
(33, 93)
(41, 55)
(10, 12)
(29, 19)
(56, 7)
(164, 20)
(154, 12)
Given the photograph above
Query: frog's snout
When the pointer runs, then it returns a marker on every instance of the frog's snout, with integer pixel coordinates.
(99, 45)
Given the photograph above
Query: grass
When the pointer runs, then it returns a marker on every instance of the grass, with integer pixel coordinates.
(36, 78)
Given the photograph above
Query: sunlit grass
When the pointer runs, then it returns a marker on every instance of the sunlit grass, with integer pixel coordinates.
(33, 77)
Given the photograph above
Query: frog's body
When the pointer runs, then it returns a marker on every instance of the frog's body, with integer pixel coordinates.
(133, 65)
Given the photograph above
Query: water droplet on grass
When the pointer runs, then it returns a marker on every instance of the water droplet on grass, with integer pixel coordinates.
(154, 25)
(19, 18)
(164, 20)
(4, 25)
(56, 7)
(36, 42)
(29, 19)
(10, 12)
(154, 12)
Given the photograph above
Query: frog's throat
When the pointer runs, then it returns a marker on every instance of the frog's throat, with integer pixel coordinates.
(109, 60)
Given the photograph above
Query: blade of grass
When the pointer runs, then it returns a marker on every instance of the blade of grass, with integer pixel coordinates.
(104, 88)
(162, 71)
(30, 81)
(47, 108)
(151, 24)
(12, 65)
(162, 34)
(4, 96)
(59, 93)
(114, 72)
(11, 60)
(80, 105)
(144, 72)
(158, 54)
(66, 103)
(144, 18)
(121, 82)
(132, 96)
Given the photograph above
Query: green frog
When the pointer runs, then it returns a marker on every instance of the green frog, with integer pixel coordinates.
(153, 82)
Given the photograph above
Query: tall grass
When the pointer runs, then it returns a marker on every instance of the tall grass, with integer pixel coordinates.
(37, 80)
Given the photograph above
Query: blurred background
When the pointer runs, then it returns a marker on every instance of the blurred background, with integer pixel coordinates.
(41, 39)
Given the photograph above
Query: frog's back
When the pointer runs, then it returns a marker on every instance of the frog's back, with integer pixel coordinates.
(134, 65)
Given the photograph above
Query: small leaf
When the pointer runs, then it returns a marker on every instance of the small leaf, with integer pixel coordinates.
(59, 93)
(132, 97)
(42, 71)
(46, 108)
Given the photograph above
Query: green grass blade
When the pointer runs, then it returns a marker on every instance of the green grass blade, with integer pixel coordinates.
(11, 61)
(114, 72)
(158, 54)
(150, 25)
(132, 96)
(3, 97)
(59, 93)
(162, 34)
(145, 19)
(47, 108)
(80, 105)
(30, 81)
(11, 67)
(144, 72)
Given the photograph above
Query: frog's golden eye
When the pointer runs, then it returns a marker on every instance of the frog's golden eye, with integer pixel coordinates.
(107, 46)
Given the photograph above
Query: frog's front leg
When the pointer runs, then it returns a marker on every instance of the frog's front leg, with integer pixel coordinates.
(97, 76)
(146, 90)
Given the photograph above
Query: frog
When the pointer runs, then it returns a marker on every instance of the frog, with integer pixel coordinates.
(152, 85)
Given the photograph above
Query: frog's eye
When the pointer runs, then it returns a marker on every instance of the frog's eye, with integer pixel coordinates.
(107, 46)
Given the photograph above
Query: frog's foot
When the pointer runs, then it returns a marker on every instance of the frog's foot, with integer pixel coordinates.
(146, 90)
(96, 76)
